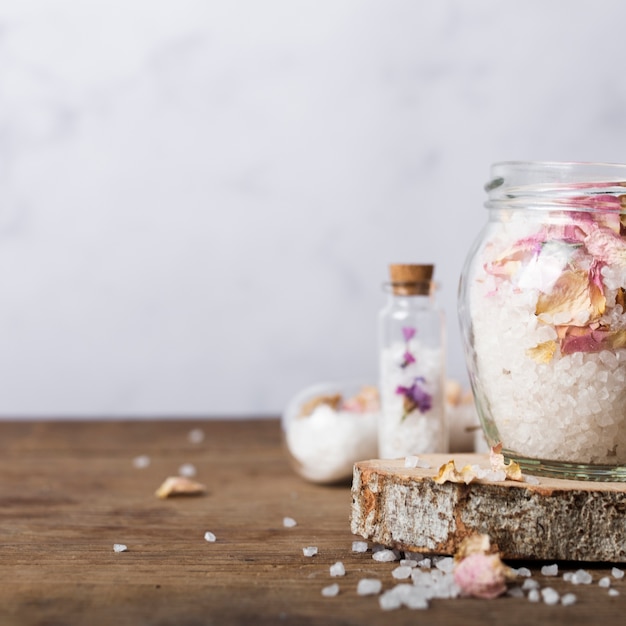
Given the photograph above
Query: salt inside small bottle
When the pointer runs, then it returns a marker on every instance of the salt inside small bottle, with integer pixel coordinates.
(412, 366)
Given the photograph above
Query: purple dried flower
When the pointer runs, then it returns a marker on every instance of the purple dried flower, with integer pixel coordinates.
(408, 332)
(408, 358)
(415, 397)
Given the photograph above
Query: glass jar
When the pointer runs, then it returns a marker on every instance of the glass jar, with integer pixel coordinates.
(541, 305)
(412, 367)
(328, 427)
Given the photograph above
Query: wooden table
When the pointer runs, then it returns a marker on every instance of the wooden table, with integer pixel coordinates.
(69, 491)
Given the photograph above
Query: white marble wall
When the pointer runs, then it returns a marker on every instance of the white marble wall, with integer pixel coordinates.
(199, 198)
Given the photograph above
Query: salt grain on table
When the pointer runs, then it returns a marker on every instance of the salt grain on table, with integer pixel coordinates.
(529, 583)
(550, 596)
(408, 563)
(613, 593)
(359, 546)
(425, 563)
(289, 522)
(369, 587)
(568, 599)
(331, 591)
(402, 572)
(309, 551)
(617, 573)
(582, 577)
(196, 436)
(187, 470)
(209, 536)
(446, 564)
(604, 582)
(119, 547)
(523, 571)
(337, 569)
(533, 595)
(141, 462)
(386, 556)
(550, 570)
(515, 592)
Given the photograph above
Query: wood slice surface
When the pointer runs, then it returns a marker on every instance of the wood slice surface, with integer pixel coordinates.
(553, 520)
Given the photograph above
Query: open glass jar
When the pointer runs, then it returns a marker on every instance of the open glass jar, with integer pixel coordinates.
(541, 305)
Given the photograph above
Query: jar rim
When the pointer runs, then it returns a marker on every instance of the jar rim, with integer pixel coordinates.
(573, 185)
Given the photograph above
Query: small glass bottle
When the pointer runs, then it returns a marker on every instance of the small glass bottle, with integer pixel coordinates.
(412, 366)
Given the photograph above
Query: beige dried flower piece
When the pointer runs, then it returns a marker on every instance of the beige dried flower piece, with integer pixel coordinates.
(542, 352)
(333, 401)
(179, 486)
(474, 544)
(449, 473)
(513, 471)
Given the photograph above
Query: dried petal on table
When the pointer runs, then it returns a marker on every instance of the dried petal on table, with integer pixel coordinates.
(481, 576)
(513, 471)
(449, 473)
(179, 486)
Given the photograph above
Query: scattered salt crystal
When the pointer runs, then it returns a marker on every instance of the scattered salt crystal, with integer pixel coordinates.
(568, 599)
(119, 547)
(446, 564)
(531, 480)
(529, 583)
(196, 436)
(424, 563)
(568, 576)
(359, 546)
(581, 577)
(331, 591)
(289, 522)
(605, 582)
(408, 563)
(187, 469)
(617, 573)
(515, 592)
(369, 587)
(533, 595)
(209, 536)
(613, 593)
(550, 570)
(337, 569)
(411, 461)
(141, 462)
(549, 595)
(389, 601)
(385, 556)
(402, 572)
(309, 551)
(408, 595)
(524, 572)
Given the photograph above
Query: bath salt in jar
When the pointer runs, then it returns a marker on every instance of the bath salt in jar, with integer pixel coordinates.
(541, 304)
(412, 374)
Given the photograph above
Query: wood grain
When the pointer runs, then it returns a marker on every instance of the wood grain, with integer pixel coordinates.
(69, 491)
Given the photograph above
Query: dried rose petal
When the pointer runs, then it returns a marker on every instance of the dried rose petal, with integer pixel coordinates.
(543, 352)
(449, 474)
(512, 471)
(481, 576)
(179, 486)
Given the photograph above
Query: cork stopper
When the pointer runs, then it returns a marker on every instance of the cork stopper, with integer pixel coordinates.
(411, 280)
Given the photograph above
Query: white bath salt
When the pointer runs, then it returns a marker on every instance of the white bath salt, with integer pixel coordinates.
(529, 584)
(582, 577)
(568, 599)
(309, 551)
(533, 595)
(446, 564)
(386, 556)
(187, 470)
(141, 462)
(425, 563)
(568, 576)
(289, 522)
(404, 595)
(402, 572)
(119, 547)
(359, 546)
(411, 461)
(337, 569)
(617, 573)
(408, 563)
(210, 537)
(550, 570)
(328, 442)
(550, 596)
(196, 436)
(613, 593)
(331, 591)
(531, 480)
(523, 571)
(604, 582)
(369, 587)
(389, 601)
(515, 592)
